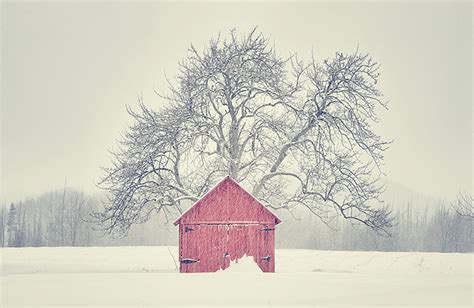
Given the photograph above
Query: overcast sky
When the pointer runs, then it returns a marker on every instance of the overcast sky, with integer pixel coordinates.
(69, 70)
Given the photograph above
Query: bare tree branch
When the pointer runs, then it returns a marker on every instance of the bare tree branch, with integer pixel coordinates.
(298, 133)
(464, 205)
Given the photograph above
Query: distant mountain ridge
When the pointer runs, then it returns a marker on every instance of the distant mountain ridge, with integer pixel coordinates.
(397, 196)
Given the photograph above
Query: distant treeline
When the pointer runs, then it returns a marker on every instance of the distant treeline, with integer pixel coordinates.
(432, 228)
(62, 218)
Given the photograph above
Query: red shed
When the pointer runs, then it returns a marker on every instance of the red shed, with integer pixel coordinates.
(224, 225)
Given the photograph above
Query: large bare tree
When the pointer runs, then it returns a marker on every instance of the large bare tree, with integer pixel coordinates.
(296, 133)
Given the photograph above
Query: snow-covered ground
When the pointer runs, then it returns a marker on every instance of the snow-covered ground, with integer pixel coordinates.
(147, 276)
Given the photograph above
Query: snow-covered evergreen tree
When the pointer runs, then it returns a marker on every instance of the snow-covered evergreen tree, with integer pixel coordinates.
(12, 225)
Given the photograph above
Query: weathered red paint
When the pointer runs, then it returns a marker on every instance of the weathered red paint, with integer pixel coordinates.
(224, 225)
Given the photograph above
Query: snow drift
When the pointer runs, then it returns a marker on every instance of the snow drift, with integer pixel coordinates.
(148, 276)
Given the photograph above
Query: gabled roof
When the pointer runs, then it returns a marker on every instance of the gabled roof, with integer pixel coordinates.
(221, 203)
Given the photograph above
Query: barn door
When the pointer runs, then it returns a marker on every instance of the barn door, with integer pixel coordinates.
(202, 248)
(253, 240)
(266, 247)
(209, 248)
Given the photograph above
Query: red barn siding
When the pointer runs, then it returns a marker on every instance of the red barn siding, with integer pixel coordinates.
(223, 226)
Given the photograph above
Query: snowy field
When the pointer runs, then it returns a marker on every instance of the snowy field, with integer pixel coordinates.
(147, 276)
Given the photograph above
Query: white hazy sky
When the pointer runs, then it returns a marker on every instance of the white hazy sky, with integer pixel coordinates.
(69, 69)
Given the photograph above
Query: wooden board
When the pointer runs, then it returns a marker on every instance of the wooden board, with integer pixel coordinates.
(215, 246)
